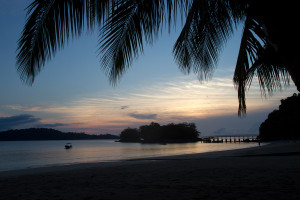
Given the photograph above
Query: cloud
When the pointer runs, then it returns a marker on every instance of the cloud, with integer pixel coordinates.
(143, 116)
(56, 125)
(51, 125)
(124, 107)
(25, 121)
(17, 120)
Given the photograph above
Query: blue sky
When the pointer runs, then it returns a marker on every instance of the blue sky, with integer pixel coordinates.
(72, 92)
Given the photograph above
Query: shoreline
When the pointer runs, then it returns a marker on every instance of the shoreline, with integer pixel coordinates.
(268, 148)
(222, 147)
(65, 166)
(269, 171)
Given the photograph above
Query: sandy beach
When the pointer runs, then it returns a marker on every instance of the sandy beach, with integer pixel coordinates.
(266, 172)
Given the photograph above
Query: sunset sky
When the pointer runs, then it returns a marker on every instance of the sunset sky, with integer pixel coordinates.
(72, 92)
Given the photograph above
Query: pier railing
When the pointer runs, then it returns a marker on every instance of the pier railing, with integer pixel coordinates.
(228, 139)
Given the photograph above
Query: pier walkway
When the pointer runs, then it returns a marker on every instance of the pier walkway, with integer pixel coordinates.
(225, 139)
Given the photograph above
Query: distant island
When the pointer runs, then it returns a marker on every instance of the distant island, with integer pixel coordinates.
(155, 133)
(49, 134)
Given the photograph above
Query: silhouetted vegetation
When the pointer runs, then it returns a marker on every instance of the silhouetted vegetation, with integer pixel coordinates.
(48, 134)
(268, 48)
(154, 132)
(151, 132)
(282, 123)
(130, 135)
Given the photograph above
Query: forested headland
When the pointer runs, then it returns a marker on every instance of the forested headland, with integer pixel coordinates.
(154, 132)
(284, 122)
(49, 134)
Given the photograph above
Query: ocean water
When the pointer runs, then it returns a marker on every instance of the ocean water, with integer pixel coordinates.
(15, 155)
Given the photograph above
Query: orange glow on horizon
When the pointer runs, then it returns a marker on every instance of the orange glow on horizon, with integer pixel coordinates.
(177, 101)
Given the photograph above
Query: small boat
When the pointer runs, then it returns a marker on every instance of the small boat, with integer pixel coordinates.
(68, 146)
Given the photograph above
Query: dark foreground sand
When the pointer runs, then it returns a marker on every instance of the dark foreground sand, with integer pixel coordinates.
(267, 172)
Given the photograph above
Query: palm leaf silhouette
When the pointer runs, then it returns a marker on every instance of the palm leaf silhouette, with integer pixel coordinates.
(126, 26)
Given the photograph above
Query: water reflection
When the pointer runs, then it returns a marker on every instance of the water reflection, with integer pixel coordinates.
(24, 154)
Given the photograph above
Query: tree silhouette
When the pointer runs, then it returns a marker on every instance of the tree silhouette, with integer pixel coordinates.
(154, 132)
(282, 123)
(48, 134)
(269, 47)
(182, 131)
(130, 135)
(151, 132)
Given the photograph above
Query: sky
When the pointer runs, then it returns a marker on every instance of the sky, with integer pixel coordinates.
(73, 93)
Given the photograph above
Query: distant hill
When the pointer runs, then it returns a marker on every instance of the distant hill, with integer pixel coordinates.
(49, 134)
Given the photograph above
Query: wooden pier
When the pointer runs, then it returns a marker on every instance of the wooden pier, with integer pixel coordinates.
(228, 139)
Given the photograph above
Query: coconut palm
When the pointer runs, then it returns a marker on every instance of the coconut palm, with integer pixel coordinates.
(269, 48)
(126, 26)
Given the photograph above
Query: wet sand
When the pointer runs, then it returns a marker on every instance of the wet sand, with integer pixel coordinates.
(266, 172)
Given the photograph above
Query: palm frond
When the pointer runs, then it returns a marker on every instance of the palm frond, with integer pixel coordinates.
(257, 58)
(250, 46)
(99, 11)
(208, 26)
(175, 8)
(47, 29)
(270, 72)
(131, 24)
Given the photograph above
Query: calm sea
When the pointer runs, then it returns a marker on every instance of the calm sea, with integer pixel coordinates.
(16, 155)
